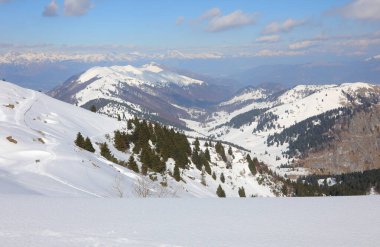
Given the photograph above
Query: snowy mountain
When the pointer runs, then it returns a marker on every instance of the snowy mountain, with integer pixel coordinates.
(150, 91)
(252, 124)
(39, 156)
(277, 125)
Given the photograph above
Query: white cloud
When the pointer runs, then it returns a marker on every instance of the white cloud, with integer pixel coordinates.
(301, 44)
(210, 14)
(180, 20)
(229, 21)
(76, 7)
(361, 9)
(51, 9)
(268, 38)
(286, 26)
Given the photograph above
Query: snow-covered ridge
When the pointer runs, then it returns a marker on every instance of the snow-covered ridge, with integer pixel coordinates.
(152, 74)
(249, 94)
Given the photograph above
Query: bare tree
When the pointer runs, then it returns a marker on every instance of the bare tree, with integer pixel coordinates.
(143, 188)
(203, 176)
(118, 185)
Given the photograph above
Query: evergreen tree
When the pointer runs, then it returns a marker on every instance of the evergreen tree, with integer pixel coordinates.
(196, 144)
(207, 154)
(105, 152)
(144, 170)
(222, 179)
(220, 150)
(79, 141)
(252, 164)
(176, 174)
(220, 192)
(118, 117)
(129, 124)
(241, 192)
(93, 108)
(132, 164)
(214, 175)
(88, 145)
(120, 141)
(230, 151)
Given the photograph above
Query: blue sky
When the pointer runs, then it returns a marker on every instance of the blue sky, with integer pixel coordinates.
(194, 28)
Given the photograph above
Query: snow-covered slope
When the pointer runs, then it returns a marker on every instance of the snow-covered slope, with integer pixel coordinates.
(38, 155)
(271, 222)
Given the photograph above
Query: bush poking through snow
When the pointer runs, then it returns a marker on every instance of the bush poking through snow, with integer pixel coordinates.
(10, 139)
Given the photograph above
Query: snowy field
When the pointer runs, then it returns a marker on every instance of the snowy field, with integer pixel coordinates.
(44, 221)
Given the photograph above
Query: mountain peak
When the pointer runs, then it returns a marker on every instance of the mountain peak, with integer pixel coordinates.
(149, 74)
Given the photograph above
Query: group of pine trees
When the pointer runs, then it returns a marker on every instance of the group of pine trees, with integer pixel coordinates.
(252, 164)
(201, 159)
(84, 143)
(155, 144)
(355, 183)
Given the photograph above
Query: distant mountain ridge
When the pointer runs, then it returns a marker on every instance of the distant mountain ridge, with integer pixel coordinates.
(248, 118)
(150, 91)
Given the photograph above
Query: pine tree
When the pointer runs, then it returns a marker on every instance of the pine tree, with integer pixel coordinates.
(93, 108)
(105, 152)
(120, 141)
(241, 192)
(230, 151)
(79, 141)
(144, 169)
(220, 150)
(220, 192)
(196, 144)
(88, 145)
(118, 117)
(129, 124)
(252, 165)
(132, 164)
(207, 154)
(222, 179)
(176, 174)
(214, 175)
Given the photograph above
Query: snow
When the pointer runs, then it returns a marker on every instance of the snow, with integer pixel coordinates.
(45, 160)
(293, 106)
(245, 96)
(148, 74)
(41, 221)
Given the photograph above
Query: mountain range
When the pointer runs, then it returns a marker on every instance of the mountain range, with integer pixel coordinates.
(161, 132)
(269, 120)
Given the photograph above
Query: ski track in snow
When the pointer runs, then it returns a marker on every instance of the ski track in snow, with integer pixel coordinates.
(28, 103)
